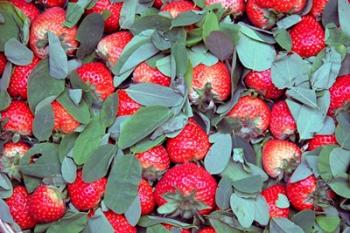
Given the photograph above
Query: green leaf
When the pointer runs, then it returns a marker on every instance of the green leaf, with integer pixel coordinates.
(133, 214)
(223, 223)
(305, 219)
(288, 22)
(341, 187)
(301, 172)
(5, 78)
(147, 144)
(68, 170)
(5, 100)
(66, 145)
(304, 95)
(5, 214)
(344, 15)
(6, 187)
(328, 223)
(339, 161)
(43, 122)
(157, 229)
(156, 22)
(262, 215)
(180, 58)
(220, 45)
(80, 112)
(186, 18)
(324, 168)
(150, 220)
(70, 223)
(282, 37)
(343, 137)
(283, 225)
(109, 109)
(98, 223)
(128, 13)
(282, 201)
(18, 53)
(58, 61)
(244, 210)
(211, 23)
(254, 34)
(75, 11)
(75, 95)
(223, 193)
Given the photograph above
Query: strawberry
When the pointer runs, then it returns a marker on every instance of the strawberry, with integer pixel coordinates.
(126, 105)
(236, 7)
(13, 149)
(340, 93)
(114, 8)
(111, 46)
(177, 7)
(154, 162)
(145, 73)
(119, 223)
(279, 156)
(146, 197)
(85, 196)
(261, 81)
(3, 62)
(271, 196)
(19, 79)
(282, 124)
(171, 228)
(27, 8)
(158, 3)
(18, 118)
(283, 6)
(321, 140)
(19, 208)
(188, 186)
(63, 121)
(98, 76)
(260, 17)
(53, 3)
(46, 204)
(207, 230)
(52, 20)
(12, 154)
(318, 7)
(308, 37)
(192, 143)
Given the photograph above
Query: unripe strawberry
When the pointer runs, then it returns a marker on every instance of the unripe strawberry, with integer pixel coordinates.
(12, 149)
(271, 195)
(282, 124)
(145, 192)
(145, 73)
(119, 223)
(10, 161)
(63, 121)
(321, 140)
(126, 105)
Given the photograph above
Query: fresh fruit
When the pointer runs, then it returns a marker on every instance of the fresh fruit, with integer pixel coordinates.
(114, 8)
(207, 230)
(19, 79)
(145, 73)
(12, 154)
(340, 93)
(282, 124)
(271, 195)
(279, 157)
(260, 17)
(283, 6)
(52, 20)
(119, 223)
(188, 186)
(19, 208)
(18, 118)
(85, 196)
(63, 121)
(46, 204)
(308, 37)
(111, 46)
(52, 3)
(170, 227)
(98, 76)
(3, 62)
(236, 7)
(177, 7)
(126, 105)
(13, 149)
(146, 197)
(28, 8)
(191, 144)
(158, 3)
(261, 81)
(321, 140)
(318, 7)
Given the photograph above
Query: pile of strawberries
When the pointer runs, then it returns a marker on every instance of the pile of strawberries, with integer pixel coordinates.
(168, 116)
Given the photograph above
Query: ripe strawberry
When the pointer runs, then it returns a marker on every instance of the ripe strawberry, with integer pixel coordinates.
(271, 196)
(283, 6)
(259, 16)
(18, 118)
(18, 205)
(13, 149)
(207, 230)
(282, 124)
(111, 46)
(98, 76)
(53, 3)
(19, 79)
(119, 223)
(145, 73)
(63, 121)
(170, 227)
(85, 196)
(46, 204)
(12, 154)
(154, 162)
(237, 7)
(146, 197)
(177, 7)
(321, 140)
(308, 37)
(3, 62)
(340, 93)
(158, 3)
(280, 156)
(261, 81)
(51, 20)
(188, 186)
(126, 105)
(301, 194)
(318, 7)
(191, 144)
(28, 9)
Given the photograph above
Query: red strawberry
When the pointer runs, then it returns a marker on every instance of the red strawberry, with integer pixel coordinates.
(145, 73)
(3, 62)
(261, 81)
(283, 6)
(19, 79)
(154, 162)
(112, 22)
(260, 17)
(301, 194)
(170, 227)
(18, 118)
(52, 3)
(146, 197)
(280, 156)
(111, 46)
(177, 7)
(126, 105)
(282, 124)
(13, 149)
(18, 205)
(207, 230)
(321, 140)
(63, 121)
(119, 223)
(28, 8)
(308, 37)
(237, 7)
(98, 76)
(85, 196)
(12, 154)
(340, 93)
(271, 196)
(190, 187)
(46, 204)
(318, 7)
(192, 143)
(158, 3)
(51, 20)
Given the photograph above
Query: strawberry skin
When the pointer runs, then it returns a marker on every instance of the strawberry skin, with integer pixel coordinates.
(46, 204)
(63, 121)
(300, 193)
(19, 208)
(19, 118)
(318, 7)
(177, 7)
(126, 105)
(308, 37)
(271, 196)
(283, 6)
(279, 156)
(3, 62)
(18, 85)
(207, 230)
(145, 73)
(147, 201)
(237, 7)
(321, 140)
(340, 93)
(158, 4)
(258, 16)
(170, 227)
(52, 3)
(27, 8)
(282, 124)
(192, 143)
(119, 223)
(12, 149)
(98, 76)
(261, 81)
